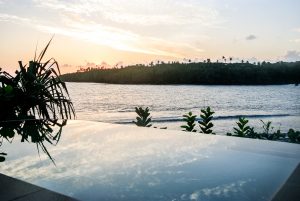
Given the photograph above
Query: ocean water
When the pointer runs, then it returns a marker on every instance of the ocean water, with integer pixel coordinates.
(115, 103)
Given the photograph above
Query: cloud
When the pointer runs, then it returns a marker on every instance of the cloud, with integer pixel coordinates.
(148, 27)
(138, 12)
(292, 55)
(157, 27)
(121, 40)
(251, 37)
(14, 18)
(167, 28)
(297, 40)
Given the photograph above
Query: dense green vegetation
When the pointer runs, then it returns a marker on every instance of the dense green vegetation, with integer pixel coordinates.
(194, 73)
(32, 102)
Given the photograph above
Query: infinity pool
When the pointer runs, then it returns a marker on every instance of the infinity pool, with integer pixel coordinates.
(101, 161)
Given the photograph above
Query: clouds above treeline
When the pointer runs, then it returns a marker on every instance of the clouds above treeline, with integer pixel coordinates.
(148, 26)
(141, 30)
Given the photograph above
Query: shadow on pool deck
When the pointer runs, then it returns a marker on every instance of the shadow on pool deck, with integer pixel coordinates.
(14, 189)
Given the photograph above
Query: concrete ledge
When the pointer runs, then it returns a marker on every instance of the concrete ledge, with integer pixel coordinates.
(291, 189)
(13, 189)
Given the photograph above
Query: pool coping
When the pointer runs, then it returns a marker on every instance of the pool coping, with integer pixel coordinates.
(290, 189)
(17, 190)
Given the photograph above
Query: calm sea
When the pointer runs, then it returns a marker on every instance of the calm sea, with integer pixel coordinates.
(115, 104)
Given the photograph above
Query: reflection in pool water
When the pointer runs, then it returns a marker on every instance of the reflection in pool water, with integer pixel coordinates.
(37, 131)
(99, 161)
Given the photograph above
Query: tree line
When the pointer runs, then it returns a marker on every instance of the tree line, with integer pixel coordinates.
(210, 73)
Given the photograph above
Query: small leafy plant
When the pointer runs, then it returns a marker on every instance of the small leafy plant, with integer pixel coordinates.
(277, 135)
(190, 122)
(243, 129)
(294, 136)
(143, 119)
(206, 124)
(252, 133)
(267, 131)
(266, 127)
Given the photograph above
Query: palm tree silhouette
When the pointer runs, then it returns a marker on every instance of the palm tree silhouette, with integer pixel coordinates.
(224, 58)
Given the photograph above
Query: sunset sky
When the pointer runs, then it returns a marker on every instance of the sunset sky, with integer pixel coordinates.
(139, 31)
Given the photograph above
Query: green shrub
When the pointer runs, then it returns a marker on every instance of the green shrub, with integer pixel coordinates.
(206, 124)
(267, 132)
(266, 127)
(243, 129)
(190, 122)
(277, 135)
(252, 133)
(294, 136)
(143, 119)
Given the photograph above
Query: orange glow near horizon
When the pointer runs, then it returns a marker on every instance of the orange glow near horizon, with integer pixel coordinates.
(141, 31)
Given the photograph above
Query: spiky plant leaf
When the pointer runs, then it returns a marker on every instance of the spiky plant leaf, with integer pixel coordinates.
(35, 93)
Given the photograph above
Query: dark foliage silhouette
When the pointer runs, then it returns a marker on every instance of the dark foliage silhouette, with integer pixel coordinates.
(35, 94)
(33, 130)
(194, 73)
(143, 119)
(294, 136)
(190, 122)
(243, 129)
(36, 91)
(205, 122)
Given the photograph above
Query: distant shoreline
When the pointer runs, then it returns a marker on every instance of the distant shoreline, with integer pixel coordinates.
(280, 73)
(180, 84)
